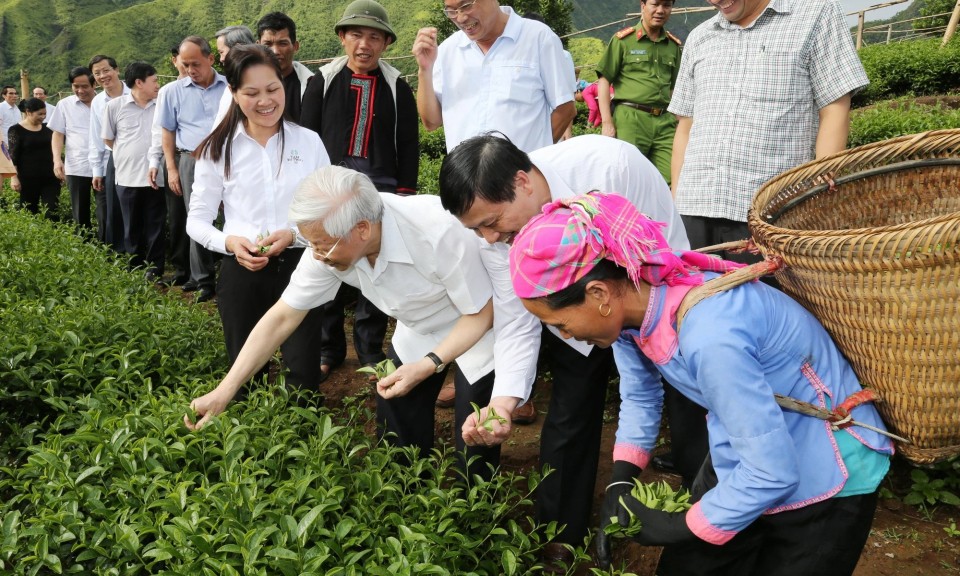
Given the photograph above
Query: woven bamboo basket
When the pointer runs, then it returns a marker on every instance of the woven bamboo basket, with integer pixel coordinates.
(870, 244)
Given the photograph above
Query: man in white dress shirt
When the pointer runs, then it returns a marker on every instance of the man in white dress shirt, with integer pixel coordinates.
(494, 188)
(109, 218)
(41, 93)
(413, 261)
(9, 113)
(70, 124)
(498, 72)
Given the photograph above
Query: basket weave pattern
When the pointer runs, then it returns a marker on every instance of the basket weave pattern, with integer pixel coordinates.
(876, 257)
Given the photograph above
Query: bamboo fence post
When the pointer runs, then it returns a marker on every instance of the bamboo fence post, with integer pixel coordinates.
(952, 25)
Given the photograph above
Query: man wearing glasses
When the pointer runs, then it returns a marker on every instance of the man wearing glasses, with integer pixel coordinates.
(498, 72)
(641, 63)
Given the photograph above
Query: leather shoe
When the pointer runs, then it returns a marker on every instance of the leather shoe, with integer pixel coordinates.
(205, 294)
(190, 286)
(664, 463)
(179, 280)
(526, 414)
(556, 558)
(447, 395)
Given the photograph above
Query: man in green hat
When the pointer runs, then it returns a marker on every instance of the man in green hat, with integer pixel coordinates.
(366, 116)
(641, 62)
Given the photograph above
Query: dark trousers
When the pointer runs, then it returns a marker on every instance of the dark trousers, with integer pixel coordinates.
(704, 232)
(35, 192)
(178, 243)
(113, 217)
(570, 438)
(143, 210)
(243, 297)
(80, 187)
(825, 539)
(369, 329)
(202, 261)
(412, 418)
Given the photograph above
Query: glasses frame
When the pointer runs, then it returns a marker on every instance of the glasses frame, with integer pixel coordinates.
(454, 13)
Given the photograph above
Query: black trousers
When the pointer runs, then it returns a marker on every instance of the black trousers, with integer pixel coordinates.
(178, 243)
(369, 329)
(412, 418)
(825, 539)
(35, 192)
(570, 437)
(80, 187)
(243, 297)
(143, 210)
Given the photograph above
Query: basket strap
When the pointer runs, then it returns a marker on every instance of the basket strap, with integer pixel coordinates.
(735, 247)
(726, 282)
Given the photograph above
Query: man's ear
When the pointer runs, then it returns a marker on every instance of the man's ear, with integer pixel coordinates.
(364, 228)
(522, 183)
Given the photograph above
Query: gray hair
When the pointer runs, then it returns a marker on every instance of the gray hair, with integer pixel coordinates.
(233, 35)
(338, 198)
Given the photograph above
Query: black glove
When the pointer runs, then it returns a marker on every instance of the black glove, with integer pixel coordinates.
(621, 483)
(657, 528)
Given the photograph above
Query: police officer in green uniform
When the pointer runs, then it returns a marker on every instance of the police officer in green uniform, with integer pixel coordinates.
(642, 63)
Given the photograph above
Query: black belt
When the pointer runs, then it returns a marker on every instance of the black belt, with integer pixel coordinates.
(184, 151)
(641, 107)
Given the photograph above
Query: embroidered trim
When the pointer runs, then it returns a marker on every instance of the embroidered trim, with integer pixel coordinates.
(698, 524)
(632, 454)
(365, 86)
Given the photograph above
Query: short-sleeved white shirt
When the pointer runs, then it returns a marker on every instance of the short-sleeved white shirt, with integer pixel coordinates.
(571, 168)
(512, 88)
(256, 197)
(72, 119)
(98, 154)
(128, 126)
(9, 116)
(427, 275)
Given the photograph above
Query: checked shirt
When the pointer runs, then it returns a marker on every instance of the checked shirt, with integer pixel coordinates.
(754, 95)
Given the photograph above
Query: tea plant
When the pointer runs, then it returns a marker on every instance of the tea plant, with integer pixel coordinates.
(381, 369)
(655, 495)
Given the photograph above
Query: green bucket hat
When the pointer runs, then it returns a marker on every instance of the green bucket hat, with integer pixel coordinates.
(366, 13)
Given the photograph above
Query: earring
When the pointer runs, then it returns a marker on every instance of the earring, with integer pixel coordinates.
(600, 309)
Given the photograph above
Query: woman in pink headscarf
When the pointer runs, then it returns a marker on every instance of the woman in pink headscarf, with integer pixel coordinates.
(781, 493)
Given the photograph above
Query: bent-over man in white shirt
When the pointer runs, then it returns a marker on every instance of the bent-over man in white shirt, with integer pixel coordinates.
(415, 262)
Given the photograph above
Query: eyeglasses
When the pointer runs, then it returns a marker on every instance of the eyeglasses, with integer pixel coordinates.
(452, 13)
(329, 252)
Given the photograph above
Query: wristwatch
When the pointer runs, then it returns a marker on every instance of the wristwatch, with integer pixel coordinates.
(441, 365)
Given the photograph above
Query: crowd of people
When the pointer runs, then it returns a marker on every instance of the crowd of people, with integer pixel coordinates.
(574, 250)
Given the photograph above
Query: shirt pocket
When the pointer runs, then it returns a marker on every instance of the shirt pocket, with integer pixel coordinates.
(775, 76)
(637, 62)
(517, 81)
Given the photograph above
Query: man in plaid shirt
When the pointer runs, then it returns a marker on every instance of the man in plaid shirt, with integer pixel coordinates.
(763, 86)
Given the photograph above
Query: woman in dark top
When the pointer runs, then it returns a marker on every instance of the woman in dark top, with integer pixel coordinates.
(31, 153)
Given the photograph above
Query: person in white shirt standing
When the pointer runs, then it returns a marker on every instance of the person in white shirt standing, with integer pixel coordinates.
(498, 72)
(126, 129)
(41, 93)
(70, 124)
(9, 113)
(109, 218)
(251, 164)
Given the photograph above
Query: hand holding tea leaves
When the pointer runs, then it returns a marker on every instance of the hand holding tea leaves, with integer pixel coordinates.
(206, 407)
(650, 514)
(490, 425)
(392, 381)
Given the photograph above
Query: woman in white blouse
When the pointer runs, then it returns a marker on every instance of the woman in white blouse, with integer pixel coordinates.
(251, 163)
(414, 261)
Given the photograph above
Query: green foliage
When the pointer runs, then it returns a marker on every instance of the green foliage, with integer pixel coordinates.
(897, 118)
(73, 318)
(915, 68)
(586, 54)
(932, 8)
(556, 13)
(429, 176)
(929, 491)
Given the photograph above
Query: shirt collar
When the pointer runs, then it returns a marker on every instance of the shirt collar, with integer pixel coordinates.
(512, 29)
(392, 246)
(242, 131)
(217, 79)
(779, 6)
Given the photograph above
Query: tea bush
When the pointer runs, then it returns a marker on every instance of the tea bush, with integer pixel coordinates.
(897, 118)
(72, 317)
(917, 68)
(102, 476)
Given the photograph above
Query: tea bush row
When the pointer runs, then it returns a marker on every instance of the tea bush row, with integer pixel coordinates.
(915, 68)
(897, 118)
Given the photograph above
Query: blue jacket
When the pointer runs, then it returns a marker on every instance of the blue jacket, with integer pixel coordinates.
(736, 349)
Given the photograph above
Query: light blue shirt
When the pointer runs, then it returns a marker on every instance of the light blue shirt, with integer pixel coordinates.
(189, 109)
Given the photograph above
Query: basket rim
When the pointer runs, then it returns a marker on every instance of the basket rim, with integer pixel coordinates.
(937, 144)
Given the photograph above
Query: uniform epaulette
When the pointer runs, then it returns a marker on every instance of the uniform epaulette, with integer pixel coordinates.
(674, 38)
(625, 32)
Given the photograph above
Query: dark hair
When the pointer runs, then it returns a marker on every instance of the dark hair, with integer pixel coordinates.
(101, 58)
(277, 21)
(233, 35)
(33, 105)
(200, 41)
(175, 51)
(576, 293)
(3, 92)
(137, 71)
(219, 143)
(484, 167)
(79, 71)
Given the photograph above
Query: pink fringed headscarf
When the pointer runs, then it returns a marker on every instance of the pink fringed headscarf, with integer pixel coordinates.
(562, 244)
